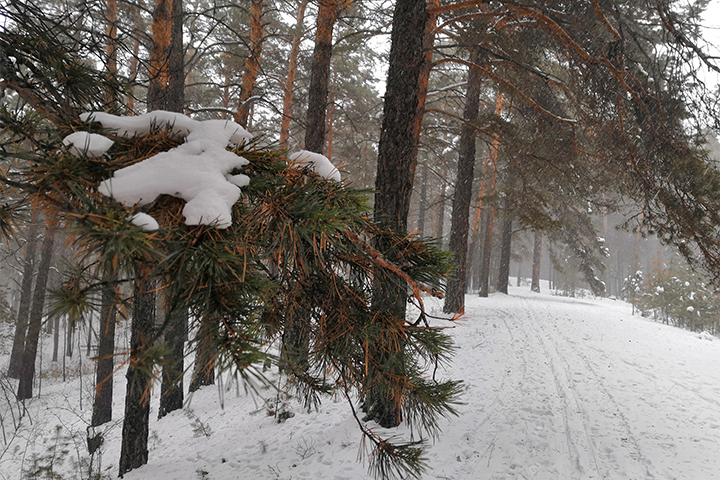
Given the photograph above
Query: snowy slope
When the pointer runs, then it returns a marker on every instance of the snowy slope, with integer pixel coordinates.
(557, 388)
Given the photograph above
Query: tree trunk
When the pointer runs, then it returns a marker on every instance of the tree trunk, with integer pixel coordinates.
(519, 274)
(422, 203)
(537, 258)
(111, 47)
(69, 339)
(290, 79)
(171, 393)
(331, 118)
(204, 371)
(475, 256)
(505, 246)
(440, 209)
(56, 338)
(328, 11)
(252, 63)
(27, 369)
(488, 212)
(102, 408)
(25, 299)
(134, 60)
(134, 448)
(486, 251)
(167, 81)
(397, 158)
(455, 299)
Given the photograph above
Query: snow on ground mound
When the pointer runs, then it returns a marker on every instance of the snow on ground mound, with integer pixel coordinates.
(198, 171)
(557, 389)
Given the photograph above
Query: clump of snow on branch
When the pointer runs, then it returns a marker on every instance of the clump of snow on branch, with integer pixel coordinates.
(84, 144)
(198, 171)
(319, 164)
(144, 221)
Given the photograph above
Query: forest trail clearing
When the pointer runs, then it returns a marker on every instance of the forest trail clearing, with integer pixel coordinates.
(577, 389)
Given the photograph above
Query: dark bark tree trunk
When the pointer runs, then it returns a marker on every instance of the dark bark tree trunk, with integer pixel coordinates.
(134, 448)
(69, 339)
(171, 392)
(56, 338)
(505, 249)
(167, 80)
(102, 408)
(27, 369)
(204, 370)
(402, 114)
(488, 219)
(252, 63)
(328, 11)
(537, 258)
(409, 68)
(25, 300)
(455, 299)
(290, 79)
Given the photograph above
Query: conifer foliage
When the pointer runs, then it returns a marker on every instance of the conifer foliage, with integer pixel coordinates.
(298, 257)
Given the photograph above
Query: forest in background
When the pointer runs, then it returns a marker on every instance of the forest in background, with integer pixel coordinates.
(507, 135)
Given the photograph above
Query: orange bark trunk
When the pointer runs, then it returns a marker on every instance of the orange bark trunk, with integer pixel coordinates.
(290, 80)
(252, 63)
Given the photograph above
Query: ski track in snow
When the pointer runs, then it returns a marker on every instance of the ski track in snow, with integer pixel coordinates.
(563, 398)
(556, 389)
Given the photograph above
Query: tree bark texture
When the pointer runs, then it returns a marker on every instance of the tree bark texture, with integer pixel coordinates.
(397, 158)
(290, 79)
(102, 408)
(455, 299)
(167, 81)
(252, 63)
(27, 369)
(134, 448)
(171, 390)
(320, 76)
(25, 300)
(537, 257)
(402, 114)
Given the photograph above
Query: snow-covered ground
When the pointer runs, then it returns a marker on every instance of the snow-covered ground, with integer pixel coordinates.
(557, 388)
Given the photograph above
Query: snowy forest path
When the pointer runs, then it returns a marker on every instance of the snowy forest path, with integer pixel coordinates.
(573, 395)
